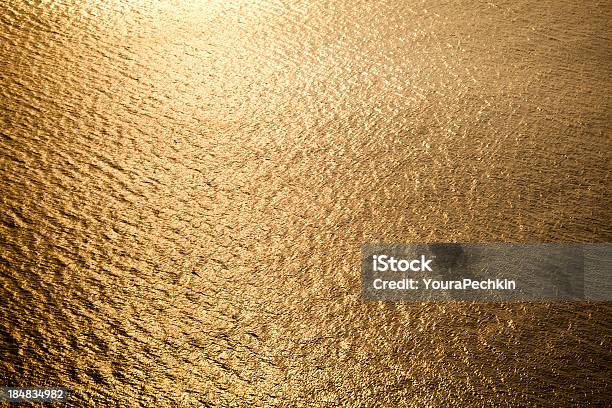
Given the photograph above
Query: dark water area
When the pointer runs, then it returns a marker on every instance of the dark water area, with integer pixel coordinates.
(186, 187)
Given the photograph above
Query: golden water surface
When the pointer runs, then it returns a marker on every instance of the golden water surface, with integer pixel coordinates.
(186, 186)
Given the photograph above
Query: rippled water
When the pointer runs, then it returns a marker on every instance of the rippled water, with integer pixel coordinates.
(186, 187)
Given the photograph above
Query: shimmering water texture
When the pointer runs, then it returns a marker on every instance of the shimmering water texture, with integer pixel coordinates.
(186, 187)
